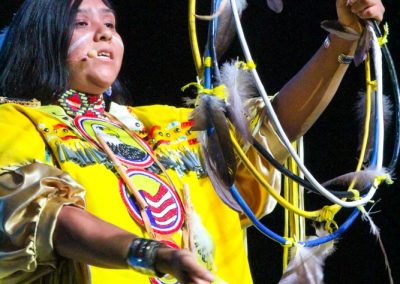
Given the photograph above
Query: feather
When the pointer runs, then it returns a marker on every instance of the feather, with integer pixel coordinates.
(275, 5)
(188, 101)
(341, 31)
(360, 110)
(219, 144)
(240, 86)
(218, 155)
(363, 178)
(204, 244)
(221, 188)
(376, 232)
(226, 26)
(3, 36)
(200, 239)
(307, 263)
(364, 44)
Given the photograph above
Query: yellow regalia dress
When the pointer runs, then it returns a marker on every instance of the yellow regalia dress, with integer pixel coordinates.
(48, 161)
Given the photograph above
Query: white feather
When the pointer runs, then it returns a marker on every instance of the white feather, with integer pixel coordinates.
(363, 178)
(376, 232)
(307, 263)
(203, 242)
(240, 86)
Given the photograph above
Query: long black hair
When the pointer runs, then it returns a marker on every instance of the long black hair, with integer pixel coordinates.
(33, 59)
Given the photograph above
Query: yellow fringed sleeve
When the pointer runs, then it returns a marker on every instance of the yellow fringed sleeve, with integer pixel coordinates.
(31, 198)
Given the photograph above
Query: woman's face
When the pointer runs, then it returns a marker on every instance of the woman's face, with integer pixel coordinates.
(96, 50)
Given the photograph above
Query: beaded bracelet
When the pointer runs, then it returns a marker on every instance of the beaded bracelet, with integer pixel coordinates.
(142, 254)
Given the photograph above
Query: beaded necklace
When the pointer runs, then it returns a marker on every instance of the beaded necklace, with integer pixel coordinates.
(79, 104)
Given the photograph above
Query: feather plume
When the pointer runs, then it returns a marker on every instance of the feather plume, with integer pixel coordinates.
(275, 5)
(218, 155)
(210, 117)
(203, 242)
(363, 178)
(376, 232)
(226, 26)
(307, 263)
(240, 86)
(3, 35)
(200, 240)
(360, 110)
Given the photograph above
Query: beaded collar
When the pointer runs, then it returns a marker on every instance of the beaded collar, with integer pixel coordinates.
(79, 104)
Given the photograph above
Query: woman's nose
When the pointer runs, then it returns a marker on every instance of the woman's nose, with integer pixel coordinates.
(103, 34)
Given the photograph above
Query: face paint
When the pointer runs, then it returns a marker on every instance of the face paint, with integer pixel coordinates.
(118, 40)
(77, 43)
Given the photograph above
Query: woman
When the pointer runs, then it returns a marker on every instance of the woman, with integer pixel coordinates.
(64, 156)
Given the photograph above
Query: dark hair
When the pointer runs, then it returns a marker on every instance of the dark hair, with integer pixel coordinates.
(33, 59)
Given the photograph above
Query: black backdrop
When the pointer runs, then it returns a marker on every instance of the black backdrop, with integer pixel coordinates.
(158, 63)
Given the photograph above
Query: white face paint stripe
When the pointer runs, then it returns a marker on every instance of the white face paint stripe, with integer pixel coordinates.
(77, 43)
(118, 40)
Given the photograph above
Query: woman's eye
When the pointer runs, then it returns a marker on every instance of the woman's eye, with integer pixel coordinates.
(110, 25)
(81, 23)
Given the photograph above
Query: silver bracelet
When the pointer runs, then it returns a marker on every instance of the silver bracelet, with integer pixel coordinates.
(345, 59)
(142, 254)
(342, 58)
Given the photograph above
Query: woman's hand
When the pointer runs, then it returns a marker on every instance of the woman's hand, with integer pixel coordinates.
(350, 11)
(182, 265)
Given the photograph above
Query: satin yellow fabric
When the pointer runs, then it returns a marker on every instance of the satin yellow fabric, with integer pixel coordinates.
(30, 200)
(28, 142)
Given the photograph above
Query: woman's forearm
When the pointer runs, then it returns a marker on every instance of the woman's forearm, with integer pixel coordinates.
(83, 237)
(301, 101)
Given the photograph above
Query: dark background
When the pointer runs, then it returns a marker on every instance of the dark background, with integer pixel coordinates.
(158, 63)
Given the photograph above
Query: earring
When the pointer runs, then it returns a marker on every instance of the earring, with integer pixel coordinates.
(108, 92)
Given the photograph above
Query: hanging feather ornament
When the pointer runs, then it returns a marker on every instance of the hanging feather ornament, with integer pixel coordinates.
(218, 155)
(376, 232)
(307, 263)
(240, 86)
(363, 179)
(360, 110)
(226, 26)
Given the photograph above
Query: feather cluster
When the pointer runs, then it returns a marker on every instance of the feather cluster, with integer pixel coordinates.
(307, 263)
(211, 118)
(218, 155)
(240, 86)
